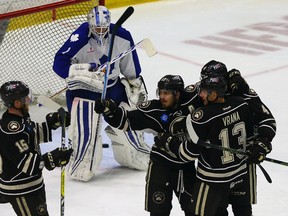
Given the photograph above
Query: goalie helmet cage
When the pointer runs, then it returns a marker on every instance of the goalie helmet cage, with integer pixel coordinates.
(31, 32)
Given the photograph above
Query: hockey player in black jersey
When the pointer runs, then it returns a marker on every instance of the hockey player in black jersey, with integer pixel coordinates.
(242, 197)
(21, 162)
(264, 131)
(166, 173)
(221, 121)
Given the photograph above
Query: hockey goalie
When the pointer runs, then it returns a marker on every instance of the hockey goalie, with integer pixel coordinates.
(77, 62)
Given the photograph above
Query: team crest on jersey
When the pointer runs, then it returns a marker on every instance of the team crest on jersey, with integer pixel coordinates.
(252, 92)
(74, 37)
(158, 197)
(190, 88)
(145, 104)
(197, 115)
(164, 117)
(41, 209)
(90, 50)
(13, 126)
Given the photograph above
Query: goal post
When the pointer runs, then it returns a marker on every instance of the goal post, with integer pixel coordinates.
(31, 32)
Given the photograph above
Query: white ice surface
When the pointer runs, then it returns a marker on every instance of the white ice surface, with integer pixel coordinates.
(168, 23)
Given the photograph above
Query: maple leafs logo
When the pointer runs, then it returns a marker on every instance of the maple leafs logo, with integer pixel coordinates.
(74, 38)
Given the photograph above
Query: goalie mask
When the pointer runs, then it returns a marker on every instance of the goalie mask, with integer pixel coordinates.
(99, 21)
(14, 90)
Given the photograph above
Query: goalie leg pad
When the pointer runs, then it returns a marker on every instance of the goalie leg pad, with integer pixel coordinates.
(85, 136)
(129, 148)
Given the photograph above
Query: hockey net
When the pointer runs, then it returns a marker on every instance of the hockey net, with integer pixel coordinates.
(31, 32)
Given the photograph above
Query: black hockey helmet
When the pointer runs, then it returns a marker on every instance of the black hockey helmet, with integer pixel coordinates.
(171, 83)
(214, 83)
(13, 90)
(214, 67)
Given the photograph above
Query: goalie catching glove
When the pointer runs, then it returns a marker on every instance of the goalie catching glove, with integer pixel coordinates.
(56, 158)
(107, 106)
(85, 76)
(54, 120)
(258, 151)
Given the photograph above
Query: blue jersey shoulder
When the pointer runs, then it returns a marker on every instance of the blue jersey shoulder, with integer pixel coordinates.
(122, 33)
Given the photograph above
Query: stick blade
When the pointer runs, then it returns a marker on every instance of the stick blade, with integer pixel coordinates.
(148, 47)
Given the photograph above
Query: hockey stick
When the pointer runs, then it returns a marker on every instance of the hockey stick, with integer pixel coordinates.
(276, 161)
(146, 44)
(234, 151)
(62, 115)
(239, 151)
(127, 13)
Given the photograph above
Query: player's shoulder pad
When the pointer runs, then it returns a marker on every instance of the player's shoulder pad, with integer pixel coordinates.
(189, 96)
(122, 33)
(11, 126)
(80, 34)
(197, 115)
(251, 93)
(149, 105)
(191, 88)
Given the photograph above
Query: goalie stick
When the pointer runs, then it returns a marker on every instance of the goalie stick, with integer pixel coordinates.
(146, 44)
(127, 13)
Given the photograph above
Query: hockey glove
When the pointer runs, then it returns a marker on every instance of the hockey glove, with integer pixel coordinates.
(164, 141)
(258, 151)
(236, 83)
(56, 158)
(107, 106)
(138, 90)
(54, 120)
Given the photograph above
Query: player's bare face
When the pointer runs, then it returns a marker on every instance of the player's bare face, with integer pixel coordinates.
(167, 99)
(204, 95)
(209, 97)
(27, 101)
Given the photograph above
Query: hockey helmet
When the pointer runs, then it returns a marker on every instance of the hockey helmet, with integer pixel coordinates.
(13, 90)
(171, 83)
(99, 21)
(214, 83)
(213, 67)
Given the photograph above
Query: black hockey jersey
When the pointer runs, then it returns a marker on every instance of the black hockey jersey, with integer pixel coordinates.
(152, 118)
(224, 124)
(262, 116)
(20, 156)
